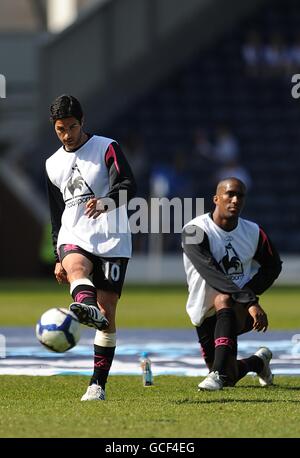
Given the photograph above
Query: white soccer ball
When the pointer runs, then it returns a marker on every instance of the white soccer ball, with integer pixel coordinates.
(58, 329)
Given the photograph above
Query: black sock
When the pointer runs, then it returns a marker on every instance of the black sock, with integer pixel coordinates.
(225, 342)
(251, 364)
(85, 294)
(205, 334)
(103, 359)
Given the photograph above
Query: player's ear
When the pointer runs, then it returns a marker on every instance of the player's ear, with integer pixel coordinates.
(82, 121)
(215, 199)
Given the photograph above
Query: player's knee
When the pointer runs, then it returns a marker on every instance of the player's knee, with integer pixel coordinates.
(222, 301)
(77, 271)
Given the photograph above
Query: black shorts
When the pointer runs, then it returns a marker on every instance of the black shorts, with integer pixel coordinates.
(108, 274)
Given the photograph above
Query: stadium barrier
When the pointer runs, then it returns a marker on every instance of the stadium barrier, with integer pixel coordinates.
(168, 269)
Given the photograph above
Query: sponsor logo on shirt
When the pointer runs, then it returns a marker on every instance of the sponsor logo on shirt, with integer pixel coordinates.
(231, 263)
(77, 191)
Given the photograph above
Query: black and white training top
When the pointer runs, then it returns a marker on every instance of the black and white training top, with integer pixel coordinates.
(242, 262)
(97, 169)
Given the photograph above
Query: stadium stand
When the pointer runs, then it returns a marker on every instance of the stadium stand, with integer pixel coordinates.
(192, 79)
(215, 88)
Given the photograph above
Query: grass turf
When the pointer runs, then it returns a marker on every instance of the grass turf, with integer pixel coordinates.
(51, 407)
(22, 303)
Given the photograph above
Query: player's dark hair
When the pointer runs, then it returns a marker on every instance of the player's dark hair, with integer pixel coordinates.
(65, 106)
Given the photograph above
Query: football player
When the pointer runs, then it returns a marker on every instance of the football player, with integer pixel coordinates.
(229, 262)
(92, 242)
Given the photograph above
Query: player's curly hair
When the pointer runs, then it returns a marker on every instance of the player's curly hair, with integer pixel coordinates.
(65, 106)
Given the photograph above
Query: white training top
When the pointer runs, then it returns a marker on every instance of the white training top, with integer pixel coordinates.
(234, 252)
(80, 176)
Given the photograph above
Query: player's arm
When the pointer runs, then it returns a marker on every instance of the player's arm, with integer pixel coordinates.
(270, 265)
(200, 255)
(120, 179)
(56, 206)
(120, 174)
(259, 317)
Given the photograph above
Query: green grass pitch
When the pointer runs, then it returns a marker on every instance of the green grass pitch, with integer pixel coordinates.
(172, 408)
(23, 302)
(51, 407)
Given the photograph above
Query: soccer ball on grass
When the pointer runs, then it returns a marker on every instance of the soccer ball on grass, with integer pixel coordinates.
(58, 329)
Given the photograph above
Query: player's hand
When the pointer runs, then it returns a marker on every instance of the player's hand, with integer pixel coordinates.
(94, 208)
(60, 273)
(260, 319)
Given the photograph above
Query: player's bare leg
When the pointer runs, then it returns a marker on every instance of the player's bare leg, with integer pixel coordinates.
(84, 293)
